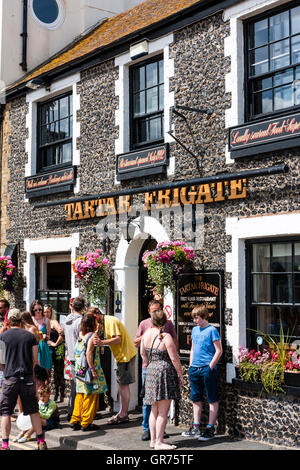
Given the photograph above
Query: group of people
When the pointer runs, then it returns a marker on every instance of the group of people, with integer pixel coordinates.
(84, 332)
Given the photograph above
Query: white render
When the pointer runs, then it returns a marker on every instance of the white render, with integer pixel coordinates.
(242, 229)
(33, 98)
(46, 245)
(76, 18)
(234, 48)
(123, 62)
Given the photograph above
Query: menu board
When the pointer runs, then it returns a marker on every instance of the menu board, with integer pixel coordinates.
(199, 288)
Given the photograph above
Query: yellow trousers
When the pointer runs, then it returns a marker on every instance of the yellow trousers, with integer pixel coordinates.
(85, 409)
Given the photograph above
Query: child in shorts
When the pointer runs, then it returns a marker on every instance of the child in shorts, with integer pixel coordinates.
(205, 353)
(48, 412)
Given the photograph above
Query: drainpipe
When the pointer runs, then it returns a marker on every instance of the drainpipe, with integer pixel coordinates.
(24, 36)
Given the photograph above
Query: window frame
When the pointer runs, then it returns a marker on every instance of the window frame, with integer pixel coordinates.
(132, 119)
(249, 95)
(45, 169)
(251, 320)
(55, 24)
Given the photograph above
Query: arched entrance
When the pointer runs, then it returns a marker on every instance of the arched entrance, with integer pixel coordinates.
(128, 277)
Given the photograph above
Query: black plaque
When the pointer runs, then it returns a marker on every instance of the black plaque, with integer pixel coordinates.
(51, 182)
(142, 162)
(264, 136)
(199, 288)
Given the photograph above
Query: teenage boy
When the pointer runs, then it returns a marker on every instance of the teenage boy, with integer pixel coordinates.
(21, 354)
(205, 353)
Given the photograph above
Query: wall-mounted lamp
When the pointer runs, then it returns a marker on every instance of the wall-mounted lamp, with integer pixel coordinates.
(37, 83)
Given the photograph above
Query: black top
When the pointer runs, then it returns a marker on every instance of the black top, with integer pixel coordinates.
(18, 352)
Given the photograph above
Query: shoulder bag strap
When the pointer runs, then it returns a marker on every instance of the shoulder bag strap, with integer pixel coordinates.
(150, 355)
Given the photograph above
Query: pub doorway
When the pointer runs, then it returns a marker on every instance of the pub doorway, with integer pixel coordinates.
(145, 295)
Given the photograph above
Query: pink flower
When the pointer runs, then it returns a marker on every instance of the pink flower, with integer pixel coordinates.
(105, 261)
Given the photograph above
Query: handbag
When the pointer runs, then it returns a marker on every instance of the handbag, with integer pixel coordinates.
(83, 371)
(142, 392)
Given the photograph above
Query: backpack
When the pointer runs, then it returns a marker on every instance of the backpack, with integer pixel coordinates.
(83, 371)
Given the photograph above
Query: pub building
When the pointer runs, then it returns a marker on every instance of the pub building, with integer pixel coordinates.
(169, 121)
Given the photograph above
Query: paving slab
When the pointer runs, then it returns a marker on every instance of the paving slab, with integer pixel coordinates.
(127, 437)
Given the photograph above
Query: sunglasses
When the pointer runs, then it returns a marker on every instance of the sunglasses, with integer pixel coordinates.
(38, 310)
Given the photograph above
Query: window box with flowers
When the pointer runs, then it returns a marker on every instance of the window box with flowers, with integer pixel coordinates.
(277, 366)
(92, 271)
(165, 263)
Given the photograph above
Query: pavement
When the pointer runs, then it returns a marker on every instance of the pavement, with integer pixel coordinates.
(127, 437)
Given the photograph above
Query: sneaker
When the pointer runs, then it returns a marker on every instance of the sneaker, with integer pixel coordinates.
(208, 434)
(146, 436)
(194, 431)
(76, 426)
(42, 446)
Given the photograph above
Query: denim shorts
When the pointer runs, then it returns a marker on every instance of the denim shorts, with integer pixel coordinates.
(203, 379)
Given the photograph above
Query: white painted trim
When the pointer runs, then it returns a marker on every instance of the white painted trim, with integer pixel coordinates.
(36, 96)
(41, 246)
(240, 230)
(126, 275)
(123, 62)
(234, 48)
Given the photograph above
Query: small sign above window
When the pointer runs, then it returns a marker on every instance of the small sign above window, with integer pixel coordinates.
(265, 136)
(142, 163)
(52, 182)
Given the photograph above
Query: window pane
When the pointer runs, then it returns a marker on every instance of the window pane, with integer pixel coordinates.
(261, 288)
(283, 97)
(152, 100)
(155, 128)
(282, 291)
(53, 131)
(64, 129)
(263, 102)
(161, 71)
(53, 111)
(261, 258)
(297, 288)
(259, 33)
(161, 97)
(262, 84)
(296, 49)
(297, 257)
(64, 107)
(279, 54)
(151, 74)
(279, 26)
(281, 257)
(139, 105)
(295, 20)
(139, 79)
(281, 78)
(259, 61)
(264, 319)
(295, 322)
(66, 153)
(141, 130)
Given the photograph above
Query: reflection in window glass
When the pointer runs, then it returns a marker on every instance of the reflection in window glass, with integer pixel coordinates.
(259, 62)
(279, 26)
(283, 97)
(261, 258)
(259, 35)
(261, 288)
(295, 20)
(279, 54)
(281, 257)
(296, 49)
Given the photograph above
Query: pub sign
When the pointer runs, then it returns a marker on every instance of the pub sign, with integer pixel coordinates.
(142, 162)
(201, 287)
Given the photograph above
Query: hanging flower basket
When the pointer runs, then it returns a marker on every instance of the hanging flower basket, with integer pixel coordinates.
(92, 271)
(8, 275)
(165, 263)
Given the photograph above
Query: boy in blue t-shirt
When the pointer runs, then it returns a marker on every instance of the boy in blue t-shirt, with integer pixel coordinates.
(205, 353)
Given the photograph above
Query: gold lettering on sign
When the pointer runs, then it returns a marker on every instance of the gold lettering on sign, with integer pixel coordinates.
(169, 198)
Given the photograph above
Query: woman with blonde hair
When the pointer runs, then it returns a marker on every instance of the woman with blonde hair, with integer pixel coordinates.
(163, 377)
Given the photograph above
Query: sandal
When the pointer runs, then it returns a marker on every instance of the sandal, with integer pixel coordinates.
(118, 419)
